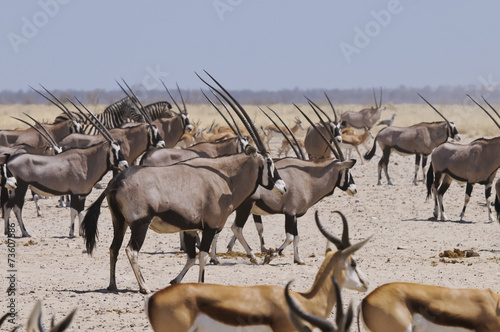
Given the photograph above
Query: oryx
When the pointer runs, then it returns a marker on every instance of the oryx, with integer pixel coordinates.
(476, 162)
(365, 118)
(419, 139)
(137, 199)
(314, 145)
(308, 182)
(72, 172)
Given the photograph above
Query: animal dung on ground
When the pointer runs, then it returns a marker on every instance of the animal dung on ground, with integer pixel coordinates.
(457, 253)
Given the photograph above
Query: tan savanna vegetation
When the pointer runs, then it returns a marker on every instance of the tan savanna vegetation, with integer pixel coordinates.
(470, 120)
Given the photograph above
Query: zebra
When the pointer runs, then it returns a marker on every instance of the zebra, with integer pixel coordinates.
(113, 116)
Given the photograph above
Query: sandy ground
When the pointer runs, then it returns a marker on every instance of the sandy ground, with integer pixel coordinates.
(405, 247)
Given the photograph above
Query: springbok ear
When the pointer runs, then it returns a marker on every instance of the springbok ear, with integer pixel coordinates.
(249, 149)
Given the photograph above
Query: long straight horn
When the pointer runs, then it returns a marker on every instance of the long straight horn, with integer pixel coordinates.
(52, 140)
(375, 97)
(491, 117)
(494, 110)
(39, 131)
(380, 105)
(286, 136)
(333, 108)
(91, 121)
(330, 237)
(228, 112)
(141, 107)
(445, 119)
(320, 133)
(327, 127)
(245, 114)
(324, 113)
(220, 112)
(182, 99)
(103, 127)
(299, 155)
(64, 110)
(238, 109)
(171, 97)
(70, 115)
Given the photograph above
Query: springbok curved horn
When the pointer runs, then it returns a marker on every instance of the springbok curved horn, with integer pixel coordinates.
(323, 324)
(171, 97)
(494, 110)
(301, 156)
(340, 244)
(228, 112)
(445, 119)
(327, 127)
(62, 108)
(491, 117)
(333, 108)
(137, 101)
(238, 109)
(221, 114)
(319, 132)
(38, 130)
(52, 140)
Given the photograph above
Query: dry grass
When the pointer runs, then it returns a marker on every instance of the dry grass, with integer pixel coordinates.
(470, 120)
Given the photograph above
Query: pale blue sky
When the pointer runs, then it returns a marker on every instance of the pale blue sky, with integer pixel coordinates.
(249, 44)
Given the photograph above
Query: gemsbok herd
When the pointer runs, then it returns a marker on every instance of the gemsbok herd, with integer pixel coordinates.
(194, 189)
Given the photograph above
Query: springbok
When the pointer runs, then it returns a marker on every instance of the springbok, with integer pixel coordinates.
(365, 118)
(308, 182)
(35, 321)
(202, 307)
(420, 139)
(314, 145)
(402, 307)
(353, 141)
(72, 172)
(271, 130)
(168, 209)
(476, 162)
(298, 315)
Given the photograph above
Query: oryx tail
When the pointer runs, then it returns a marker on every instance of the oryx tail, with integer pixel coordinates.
(369, 155)
(430, 180)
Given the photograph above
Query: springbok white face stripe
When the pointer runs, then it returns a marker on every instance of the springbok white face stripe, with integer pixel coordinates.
(421, 324)
(356, 280)
(204, 323)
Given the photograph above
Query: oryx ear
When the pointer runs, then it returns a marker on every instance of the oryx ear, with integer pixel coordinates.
(347, 164)
(249, 149)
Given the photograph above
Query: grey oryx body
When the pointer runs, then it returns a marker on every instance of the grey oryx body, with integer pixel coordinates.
(309, 182)
(420, 139)
(365, 118)
(165, 157)
(476, 162)
(73, 172)
(198, 194)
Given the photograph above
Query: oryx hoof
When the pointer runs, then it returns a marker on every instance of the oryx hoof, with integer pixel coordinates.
(253, 260)
(299, 262)
(25, 234)
(112, 288)
(215, 261)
